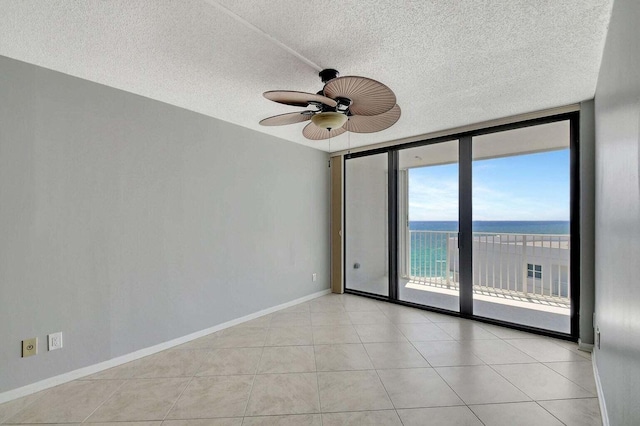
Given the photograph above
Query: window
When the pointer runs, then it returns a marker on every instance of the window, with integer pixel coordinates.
(534, 271)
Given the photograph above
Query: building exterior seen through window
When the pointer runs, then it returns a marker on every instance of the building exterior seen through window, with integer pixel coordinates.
(534, 271)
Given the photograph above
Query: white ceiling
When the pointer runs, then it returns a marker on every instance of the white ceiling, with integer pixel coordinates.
(450, 62)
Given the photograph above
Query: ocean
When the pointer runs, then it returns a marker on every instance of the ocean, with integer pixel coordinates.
(503, 226)
(429, 253)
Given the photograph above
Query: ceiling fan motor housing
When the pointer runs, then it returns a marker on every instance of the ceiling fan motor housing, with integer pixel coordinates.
(328, 74)
(343, 104)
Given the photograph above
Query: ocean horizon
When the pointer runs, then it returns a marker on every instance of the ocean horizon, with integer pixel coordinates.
(497, 226)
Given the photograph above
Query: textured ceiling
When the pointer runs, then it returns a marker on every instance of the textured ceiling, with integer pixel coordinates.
(450, 62)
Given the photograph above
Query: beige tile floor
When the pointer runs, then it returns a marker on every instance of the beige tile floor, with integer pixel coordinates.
(336, 360)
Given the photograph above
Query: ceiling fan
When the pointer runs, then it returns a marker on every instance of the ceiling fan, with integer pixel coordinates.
(350, 103)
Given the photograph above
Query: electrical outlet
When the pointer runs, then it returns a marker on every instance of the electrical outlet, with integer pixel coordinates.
(55, 341)
(598, 337)
(29, 347)
(314, 277)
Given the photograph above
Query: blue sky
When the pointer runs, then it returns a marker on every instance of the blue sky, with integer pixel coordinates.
(522, 187)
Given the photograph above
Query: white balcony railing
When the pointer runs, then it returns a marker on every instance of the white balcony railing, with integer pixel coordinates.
(526, 266)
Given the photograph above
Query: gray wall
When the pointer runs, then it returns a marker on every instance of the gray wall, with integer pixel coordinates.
(617, 193)
(126, 222)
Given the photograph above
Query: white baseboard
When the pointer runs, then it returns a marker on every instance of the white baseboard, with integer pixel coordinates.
(114, 362)
(586, 347)
(603, 406)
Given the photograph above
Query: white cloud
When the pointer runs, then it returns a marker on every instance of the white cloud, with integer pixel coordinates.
(439, 202)
(430, 201)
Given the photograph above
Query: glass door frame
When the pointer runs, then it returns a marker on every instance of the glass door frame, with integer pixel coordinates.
(392, 217)
(465, 221)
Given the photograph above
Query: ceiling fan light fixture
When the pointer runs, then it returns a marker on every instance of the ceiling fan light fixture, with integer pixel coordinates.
(329, 120)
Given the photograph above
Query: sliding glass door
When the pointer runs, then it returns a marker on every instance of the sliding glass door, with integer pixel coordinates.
(366, 225)
(521, 216)
(481, 225)
(428, 225)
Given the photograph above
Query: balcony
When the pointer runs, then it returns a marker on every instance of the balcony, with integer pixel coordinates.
(522, 278)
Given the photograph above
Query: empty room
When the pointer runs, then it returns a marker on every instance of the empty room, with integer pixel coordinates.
(319, 213)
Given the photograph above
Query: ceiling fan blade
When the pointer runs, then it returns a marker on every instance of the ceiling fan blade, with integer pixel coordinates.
(372, 123)
(313, 132)
(301, 99)
(290, 118)
(368, 97)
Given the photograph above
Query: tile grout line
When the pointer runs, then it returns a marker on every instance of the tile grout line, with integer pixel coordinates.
(554, 416)
(443, 379)
(521, 390)
(124, 382)
(178, 398)
(195, 373)
(474, 413)
(568, 378)
(374, 368)
(548, 339)
(246, 405)
(4, 420)
(315, 358)
(381, 382)
(509, 381)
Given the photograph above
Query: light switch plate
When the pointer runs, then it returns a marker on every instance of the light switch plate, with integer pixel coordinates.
(29, 347)
(55, 340)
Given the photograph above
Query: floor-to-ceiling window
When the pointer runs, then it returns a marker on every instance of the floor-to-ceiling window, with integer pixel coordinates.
(521, 217)
(428, 225)
(482, 226)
